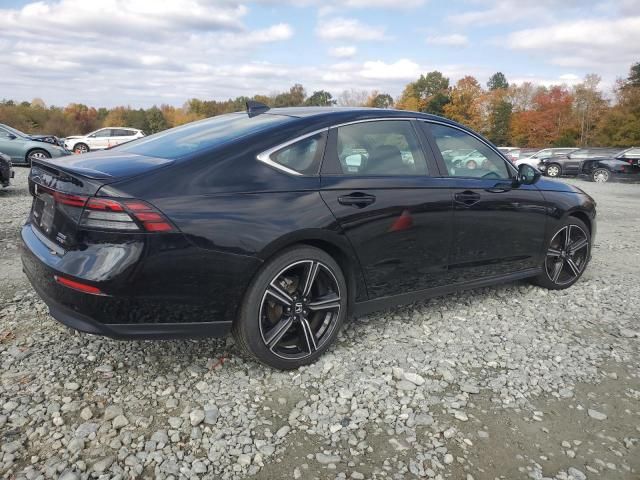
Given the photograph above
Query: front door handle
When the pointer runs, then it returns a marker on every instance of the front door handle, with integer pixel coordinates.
(357, 199)
(467, 198)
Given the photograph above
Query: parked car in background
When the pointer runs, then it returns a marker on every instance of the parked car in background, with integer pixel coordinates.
(279, 224)
(599, 164)
(23, 148)
(512, 153)
(102, 139)
(6, 170)
(535, 158)
(625, 164)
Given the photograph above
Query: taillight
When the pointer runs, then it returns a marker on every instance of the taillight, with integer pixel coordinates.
(128, 215)
(79, 286)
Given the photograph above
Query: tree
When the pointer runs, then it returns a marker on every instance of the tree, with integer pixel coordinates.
(429, 93)
(634, 75)
(499, 118)
(379, 100)
(156, 120)
(320, 98)
(588, 105)
(38, 103)
(293, 98)
(497, 81)
(353, 98)
(465, 104)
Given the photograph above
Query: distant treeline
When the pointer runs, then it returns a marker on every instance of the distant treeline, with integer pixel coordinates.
(508, 114)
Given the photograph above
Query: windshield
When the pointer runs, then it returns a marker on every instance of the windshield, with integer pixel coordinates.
(14, 131)
(198, 136)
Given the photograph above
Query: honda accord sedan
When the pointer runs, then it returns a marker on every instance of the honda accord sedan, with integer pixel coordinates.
(279, 224)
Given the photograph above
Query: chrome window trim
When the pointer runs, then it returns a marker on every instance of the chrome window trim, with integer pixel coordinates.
(477, 137)
(265, 157)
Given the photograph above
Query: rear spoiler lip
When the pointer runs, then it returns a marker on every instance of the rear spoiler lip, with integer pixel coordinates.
(85, 172)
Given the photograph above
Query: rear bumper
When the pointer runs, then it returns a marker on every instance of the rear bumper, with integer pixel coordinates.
(123, 331)
(181, 292)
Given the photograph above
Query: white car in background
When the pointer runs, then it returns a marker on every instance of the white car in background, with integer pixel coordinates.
(101, 139)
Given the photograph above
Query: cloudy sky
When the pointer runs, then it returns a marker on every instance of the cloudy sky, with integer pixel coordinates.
(145, 52)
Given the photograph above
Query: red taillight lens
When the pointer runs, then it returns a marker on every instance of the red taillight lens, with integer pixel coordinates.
(152, 220)
(68, 199)
(111, 214)
(81, 287)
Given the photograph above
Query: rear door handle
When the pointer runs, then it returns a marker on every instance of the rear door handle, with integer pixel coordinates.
(357, 199)
(467, 198)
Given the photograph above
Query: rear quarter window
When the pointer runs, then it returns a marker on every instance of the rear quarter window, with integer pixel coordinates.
(201, 136)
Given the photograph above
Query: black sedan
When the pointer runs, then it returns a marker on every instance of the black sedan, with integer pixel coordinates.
(598, 164)
(277, 225)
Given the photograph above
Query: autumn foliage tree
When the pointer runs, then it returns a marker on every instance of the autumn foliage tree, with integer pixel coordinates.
(465, 105)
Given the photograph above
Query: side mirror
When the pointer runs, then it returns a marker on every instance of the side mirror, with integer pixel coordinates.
(527, 175)
(11, 136)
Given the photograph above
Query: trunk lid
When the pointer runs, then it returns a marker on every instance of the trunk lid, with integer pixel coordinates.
(61, 187)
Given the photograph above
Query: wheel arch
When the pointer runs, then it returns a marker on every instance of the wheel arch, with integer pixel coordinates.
(584, 217)
(32, 149)
(335, 245)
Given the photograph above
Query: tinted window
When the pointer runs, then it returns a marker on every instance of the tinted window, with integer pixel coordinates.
(105, 132)
(466, 156)
(302, 156)
(122, 133)
(380, 148)
(202, 135)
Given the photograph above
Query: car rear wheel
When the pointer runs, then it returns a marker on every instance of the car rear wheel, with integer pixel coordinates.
(567, 256)
(554, 170)
(80, 148)
(37, 154)
(293, 309)
(600, 175)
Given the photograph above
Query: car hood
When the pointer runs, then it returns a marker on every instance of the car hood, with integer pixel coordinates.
(73, 137)
(548, 185)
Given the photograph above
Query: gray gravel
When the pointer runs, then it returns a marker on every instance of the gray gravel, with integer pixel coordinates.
(505, 382)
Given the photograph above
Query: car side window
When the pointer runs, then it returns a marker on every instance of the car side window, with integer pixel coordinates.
(105, 132)
(302, 156)
(466, 156)
(633, 153)
(4, 133)
(385, 147)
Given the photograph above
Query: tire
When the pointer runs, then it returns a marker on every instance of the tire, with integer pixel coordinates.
(554, 170)
(600, 175)
(35, 154)
(80, 148)
(268, 332)
(556, 251)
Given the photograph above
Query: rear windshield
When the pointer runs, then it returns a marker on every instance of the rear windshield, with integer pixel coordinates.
(199, 136)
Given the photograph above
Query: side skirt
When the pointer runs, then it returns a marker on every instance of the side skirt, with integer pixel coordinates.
(362, 308)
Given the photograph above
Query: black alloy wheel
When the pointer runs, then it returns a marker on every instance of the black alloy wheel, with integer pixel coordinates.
(294, 309)
(567, 256)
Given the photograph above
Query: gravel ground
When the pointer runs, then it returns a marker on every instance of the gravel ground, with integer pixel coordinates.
(505, 382)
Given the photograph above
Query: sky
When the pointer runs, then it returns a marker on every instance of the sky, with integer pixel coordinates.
(146, 52)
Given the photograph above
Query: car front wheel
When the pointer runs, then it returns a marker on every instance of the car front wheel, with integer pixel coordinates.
(37, 154)
(567, 256)
(81, 148)
(554, 170)
(600, 175)
(293, 309)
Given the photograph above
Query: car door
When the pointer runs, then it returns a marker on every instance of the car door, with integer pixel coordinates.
(118, 136)
(12, 145)
(498, 228)
(375, 179)
(99, 139)
(571, 165)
